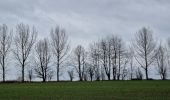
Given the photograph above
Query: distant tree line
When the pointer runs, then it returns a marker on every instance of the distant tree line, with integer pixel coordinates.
(107, 59)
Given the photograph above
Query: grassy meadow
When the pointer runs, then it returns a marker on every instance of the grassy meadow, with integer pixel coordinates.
(104, 90)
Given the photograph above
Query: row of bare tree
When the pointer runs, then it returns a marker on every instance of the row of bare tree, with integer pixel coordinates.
(108, 59)
(112, 59)
(25, 44)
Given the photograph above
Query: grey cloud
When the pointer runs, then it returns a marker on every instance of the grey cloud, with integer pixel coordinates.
(88, 20)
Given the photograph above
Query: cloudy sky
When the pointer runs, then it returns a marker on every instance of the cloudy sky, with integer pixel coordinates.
(88, 20)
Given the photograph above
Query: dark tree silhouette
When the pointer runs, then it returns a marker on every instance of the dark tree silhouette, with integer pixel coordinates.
(30, 74)
(144, 46)
(162, 61)
(114, 41)
(104, 58)
(94, 59)
(91, 72)
(60, 47)
(5, 44)
(80, 55)
(131, 61)
(24, 41)
(43, 57)
(139, 75)
(50, 75)
(121, 57)
(71, 74)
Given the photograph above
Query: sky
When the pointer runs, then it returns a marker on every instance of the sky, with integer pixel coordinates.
(86, 21)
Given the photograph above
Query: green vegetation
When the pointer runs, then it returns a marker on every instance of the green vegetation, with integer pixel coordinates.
(104, 90)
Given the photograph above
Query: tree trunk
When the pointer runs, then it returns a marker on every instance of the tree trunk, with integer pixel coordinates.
(3, 74)
(146, 71)
(79, 65)
(44, 79)
(3, 68)
(58, 66)
(114, 67)
(22, 73)
(91, 78)
(118, 77)
(58, 73)
(131, 76)
(108, 76)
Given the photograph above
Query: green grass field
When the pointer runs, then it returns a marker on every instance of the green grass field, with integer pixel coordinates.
(106, 90)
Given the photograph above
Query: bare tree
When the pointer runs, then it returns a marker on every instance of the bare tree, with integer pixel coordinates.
(97, 74)
(50, 75)
(43, 57)
(139, 75)
(80, 56)
(71, 74)
(124, 62)
(144, 46)
(94, 59)
(30, 75)
(122, 57)
(114, 41)
(131, 61)
(162, 61)
(91, 72)
(104, 58)
(86, 74)
(5, 44)
(60, 47)
(109, 54)
(24, 41)
(103, 77)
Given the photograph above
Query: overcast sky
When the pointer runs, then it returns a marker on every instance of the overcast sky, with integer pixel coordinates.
(88, 20)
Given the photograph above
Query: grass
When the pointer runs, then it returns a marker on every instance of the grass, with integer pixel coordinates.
(105, 90)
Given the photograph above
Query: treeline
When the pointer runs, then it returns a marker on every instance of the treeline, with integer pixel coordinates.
(107, 59)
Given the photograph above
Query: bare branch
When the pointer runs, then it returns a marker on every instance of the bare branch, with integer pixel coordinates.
(24, 41)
